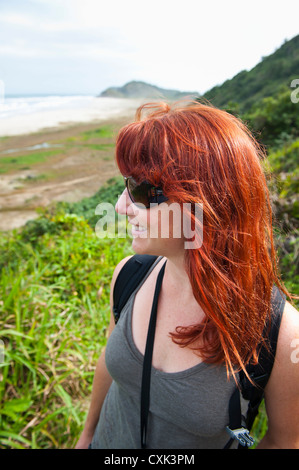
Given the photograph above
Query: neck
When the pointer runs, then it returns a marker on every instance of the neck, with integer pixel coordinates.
(176, 275)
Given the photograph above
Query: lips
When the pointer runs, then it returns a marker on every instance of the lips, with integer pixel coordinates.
(138, 228)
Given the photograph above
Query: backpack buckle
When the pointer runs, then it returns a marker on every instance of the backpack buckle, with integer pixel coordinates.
(241, 435)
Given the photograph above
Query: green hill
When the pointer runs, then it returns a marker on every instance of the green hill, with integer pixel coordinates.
(137, 89)
(264, 80)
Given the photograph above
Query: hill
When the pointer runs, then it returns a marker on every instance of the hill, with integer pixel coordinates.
(264, 80)
(137, 89)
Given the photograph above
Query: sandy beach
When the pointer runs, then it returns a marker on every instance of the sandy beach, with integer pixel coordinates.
(57, 155)
(21, 116)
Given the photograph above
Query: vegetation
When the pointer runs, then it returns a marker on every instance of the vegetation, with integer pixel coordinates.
(55, 277)
(264, 80)
(18, 162)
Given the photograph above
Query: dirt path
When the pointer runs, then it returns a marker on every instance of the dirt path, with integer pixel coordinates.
(76, 172)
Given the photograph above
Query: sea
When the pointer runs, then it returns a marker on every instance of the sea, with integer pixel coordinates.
(24, 114)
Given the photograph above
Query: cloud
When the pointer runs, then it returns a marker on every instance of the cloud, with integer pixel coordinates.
(24, 35)
(16, 19)
(188, 45)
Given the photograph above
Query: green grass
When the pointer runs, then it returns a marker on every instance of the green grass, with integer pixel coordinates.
(99, 139)
(54, 315)
(100, 146)
(16, 162)
(104, 132)
(101, 133)
(95, 139)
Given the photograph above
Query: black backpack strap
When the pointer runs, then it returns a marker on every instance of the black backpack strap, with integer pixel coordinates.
(260, 374)
(128, 279)
(147, 361)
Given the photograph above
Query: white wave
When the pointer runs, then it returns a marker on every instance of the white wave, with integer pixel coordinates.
(20, 115)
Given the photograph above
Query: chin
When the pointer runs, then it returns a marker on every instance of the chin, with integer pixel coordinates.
(145, 246)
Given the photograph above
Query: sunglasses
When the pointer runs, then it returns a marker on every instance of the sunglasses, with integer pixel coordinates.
(144, 193)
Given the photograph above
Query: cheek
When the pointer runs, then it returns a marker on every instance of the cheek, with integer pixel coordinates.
(176, 225)
(153, 220)
(165, 222)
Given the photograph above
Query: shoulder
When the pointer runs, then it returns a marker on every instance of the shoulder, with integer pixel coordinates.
(282, 391)
(285, 362)
(119, 267)
(287, 338)
(290, 321)
(116, 272)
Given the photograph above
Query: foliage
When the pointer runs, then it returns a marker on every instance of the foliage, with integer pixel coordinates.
(55, 288)
(108, 193)
(250, 87)
(274, 119)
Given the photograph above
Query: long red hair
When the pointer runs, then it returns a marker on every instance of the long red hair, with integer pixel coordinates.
(198, 153)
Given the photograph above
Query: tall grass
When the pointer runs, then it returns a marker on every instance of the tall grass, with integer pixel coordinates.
(54, 313)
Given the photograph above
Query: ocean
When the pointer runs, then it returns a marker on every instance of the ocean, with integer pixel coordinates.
(24, 114)
(16, 105)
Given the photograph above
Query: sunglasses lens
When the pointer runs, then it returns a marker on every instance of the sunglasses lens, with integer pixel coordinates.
(139, 193)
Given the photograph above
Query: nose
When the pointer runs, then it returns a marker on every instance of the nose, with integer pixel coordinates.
(124, 204)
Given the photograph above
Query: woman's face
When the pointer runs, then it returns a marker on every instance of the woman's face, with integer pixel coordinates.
(157, 230)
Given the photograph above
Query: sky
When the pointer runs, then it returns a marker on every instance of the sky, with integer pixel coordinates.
(86, 46)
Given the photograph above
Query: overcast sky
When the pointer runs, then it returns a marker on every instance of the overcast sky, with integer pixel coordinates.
(85, 46)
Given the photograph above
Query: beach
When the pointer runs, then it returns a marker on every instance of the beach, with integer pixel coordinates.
(56, 149)
(22, 115)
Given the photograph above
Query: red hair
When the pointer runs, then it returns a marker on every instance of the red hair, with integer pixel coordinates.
(198, 153)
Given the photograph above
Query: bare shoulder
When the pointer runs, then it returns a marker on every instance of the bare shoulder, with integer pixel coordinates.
(282, 391)
(288, 337)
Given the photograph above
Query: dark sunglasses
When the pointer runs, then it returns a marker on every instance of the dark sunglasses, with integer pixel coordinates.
(144, 193)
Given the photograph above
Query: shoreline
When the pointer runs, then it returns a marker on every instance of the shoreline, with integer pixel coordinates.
(63, 115)
(77, 164)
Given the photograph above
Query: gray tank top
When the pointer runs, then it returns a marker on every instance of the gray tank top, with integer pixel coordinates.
(188, 409)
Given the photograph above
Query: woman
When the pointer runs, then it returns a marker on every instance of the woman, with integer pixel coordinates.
(214, 299)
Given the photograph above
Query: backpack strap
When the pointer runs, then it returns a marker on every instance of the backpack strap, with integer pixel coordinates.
(128, 279)
(259, 374)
